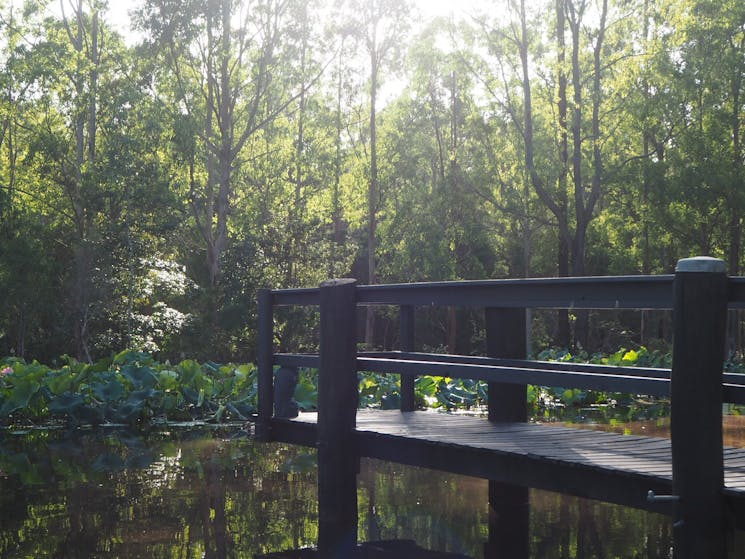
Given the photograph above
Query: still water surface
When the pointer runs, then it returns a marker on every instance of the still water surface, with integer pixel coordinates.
(208, 493)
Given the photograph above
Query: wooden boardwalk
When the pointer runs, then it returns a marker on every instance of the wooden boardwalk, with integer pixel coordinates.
(692, 477)
(593, 464)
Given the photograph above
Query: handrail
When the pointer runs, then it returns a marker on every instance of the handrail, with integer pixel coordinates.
(609, 378)
(613, 292)
(618, 292)
(621, 292)
(301, 297)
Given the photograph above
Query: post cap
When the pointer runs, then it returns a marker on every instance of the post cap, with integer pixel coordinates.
(705, 264)
(338, 282)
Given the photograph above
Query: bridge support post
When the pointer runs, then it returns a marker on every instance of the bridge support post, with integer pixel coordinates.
(407, 344)
(699, 320)
(338, 457)
(265, 365)
(509, 505)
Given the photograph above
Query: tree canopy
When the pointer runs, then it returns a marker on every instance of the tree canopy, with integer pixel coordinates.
(150, 184)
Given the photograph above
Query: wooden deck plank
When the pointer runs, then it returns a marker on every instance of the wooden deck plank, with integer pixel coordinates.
(617, 452)
(595, 464)
(632, 454)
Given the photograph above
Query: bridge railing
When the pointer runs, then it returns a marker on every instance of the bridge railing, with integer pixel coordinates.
(699, 294)
(629, 292)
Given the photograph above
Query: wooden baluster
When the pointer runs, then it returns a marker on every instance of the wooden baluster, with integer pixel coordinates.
(407, 345)
(505, 337)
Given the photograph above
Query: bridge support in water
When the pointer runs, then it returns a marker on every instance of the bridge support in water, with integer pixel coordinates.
(338, 458)
(509, 505)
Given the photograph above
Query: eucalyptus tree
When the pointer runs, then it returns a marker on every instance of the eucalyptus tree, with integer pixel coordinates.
(226, 78)
(699, 204)
(27, 275)
(13, 88)
(553, 77)
(306, 153)
(79, 66)
(713, 69)
(86, 192)
(458, 184)
(434, 223)
(225, 60)
(380, 26)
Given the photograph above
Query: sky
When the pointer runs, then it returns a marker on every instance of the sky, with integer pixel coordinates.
(119, 10)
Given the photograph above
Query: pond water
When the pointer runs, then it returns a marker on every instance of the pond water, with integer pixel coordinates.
(216, 493)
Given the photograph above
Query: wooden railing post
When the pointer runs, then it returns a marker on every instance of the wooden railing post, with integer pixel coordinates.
(699, 319)
(265, 363)
(509, 505)
(407, 344)
(337, 410)
(505, 337)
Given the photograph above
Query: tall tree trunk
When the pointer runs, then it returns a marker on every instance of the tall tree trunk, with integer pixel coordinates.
(296, 212)
(336, 212)
(578, 245)
(213, 257)
(372, 194)
(453, 210)
(646, 154)
(563, 334)
(225, 158)
(84, 119)
(93, 85)
(735, 224)
(559, 208)
(585, 200)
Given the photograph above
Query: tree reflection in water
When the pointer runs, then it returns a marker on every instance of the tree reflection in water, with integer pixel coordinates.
(205, 493)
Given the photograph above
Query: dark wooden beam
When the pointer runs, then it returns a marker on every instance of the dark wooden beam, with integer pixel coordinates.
(629, 380)
(505, 337)
(338, 458)
(407, 345)
(509, 504)
(265, 360)
(700, 319)
(521, 376)
(625, 292)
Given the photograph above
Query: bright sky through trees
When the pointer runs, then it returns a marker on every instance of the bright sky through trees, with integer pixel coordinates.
(119, 10)
(535, 138)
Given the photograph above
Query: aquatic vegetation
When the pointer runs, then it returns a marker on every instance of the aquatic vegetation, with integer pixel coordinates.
(129, 388)
(132, 388)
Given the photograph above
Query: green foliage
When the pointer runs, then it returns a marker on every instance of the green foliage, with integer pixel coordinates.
(588, 405)
(640, 357)
(130, 388)
(133, 388)
(146, 193)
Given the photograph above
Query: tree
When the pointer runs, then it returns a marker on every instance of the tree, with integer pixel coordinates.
(90, 187)
(563, 137)
(224, 57)
(380, 26)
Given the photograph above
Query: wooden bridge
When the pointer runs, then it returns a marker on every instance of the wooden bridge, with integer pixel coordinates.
(691, 477)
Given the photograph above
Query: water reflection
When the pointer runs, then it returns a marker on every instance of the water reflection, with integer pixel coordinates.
(204, 496)
(190, 494)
